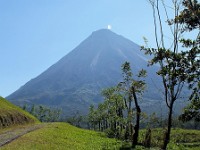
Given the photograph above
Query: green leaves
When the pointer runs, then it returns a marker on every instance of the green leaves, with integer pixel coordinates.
(116, 114)
(142, 73)
(127, 74)
(190, 16)
(45, 114)
(129, 81)
(181, 68)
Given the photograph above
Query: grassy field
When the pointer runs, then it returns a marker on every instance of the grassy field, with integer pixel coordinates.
(12, 115)
(181, 139)
(62, 136)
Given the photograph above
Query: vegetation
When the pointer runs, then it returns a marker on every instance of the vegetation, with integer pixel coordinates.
(190, 19)
(77, 120)
(131, 89)
(116, 114)
(12, 115)
(180, 138)
(179, 67)
(44, 114)
(120, 115)
(63, 136)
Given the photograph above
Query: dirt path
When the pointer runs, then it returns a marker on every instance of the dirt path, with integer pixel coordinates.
(10, 135)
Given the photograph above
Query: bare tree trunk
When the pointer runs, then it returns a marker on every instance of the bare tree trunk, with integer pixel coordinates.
(147, 140)
(136, 128)
(169, 125)
(137, 125)
(99, 125)
(106, 124)
(128, 127)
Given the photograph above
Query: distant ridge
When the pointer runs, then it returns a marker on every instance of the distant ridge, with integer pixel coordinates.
(76, 80)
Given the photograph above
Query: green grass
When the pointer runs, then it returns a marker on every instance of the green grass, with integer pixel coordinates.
(12, 115)
(181, 139)
(62, 136)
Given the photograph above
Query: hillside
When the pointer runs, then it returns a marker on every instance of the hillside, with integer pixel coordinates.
(12, 115)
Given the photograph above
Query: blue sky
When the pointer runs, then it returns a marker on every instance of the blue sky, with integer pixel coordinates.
(34, 34)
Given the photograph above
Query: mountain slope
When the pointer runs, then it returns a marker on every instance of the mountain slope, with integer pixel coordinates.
(12, 115)
(76, 80)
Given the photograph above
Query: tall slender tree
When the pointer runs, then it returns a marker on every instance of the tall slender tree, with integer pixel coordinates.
(176, 66)
(133, 89)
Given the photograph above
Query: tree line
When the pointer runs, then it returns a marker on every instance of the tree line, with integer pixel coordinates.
(42, 113)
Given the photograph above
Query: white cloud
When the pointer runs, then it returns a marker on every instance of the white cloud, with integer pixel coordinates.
(109, 27)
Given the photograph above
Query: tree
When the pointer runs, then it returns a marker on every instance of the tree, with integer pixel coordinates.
(116, 113)
(190, 19)
(32, 111)
(112, 110)
(133, 89)
(92, 116)
(45, 114)
(176, 68)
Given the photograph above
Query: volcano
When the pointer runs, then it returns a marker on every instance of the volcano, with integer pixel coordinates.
(76, 80)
